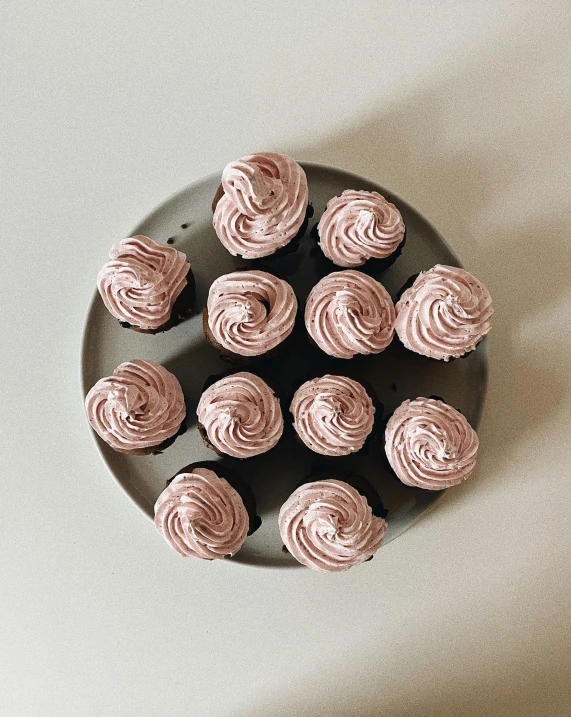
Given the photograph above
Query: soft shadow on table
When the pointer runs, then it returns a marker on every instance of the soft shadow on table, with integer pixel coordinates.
(514, 690)
(525, 264)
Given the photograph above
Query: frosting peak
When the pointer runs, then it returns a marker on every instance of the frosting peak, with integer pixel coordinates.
(350, 313)
(333, 415)
(202, 516)
(359, 225)
(430, 445)
(328, 525)
(250, 312)
(241, 415)
(142, 281)
(444, 314)
(138, 407)
(263, 205)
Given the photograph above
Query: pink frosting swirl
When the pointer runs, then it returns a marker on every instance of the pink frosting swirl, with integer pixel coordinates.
(329, 526)
(251, 312)
(201, 516)
(139, 406)
(263, 205)
(333, 415)
(350, 313)
(430, 444)
(358, 226)
(241, 415)
(142, 281)
(445, 313)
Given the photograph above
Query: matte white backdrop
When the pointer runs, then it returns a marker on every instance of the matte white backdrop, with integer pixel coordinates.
(462, 108)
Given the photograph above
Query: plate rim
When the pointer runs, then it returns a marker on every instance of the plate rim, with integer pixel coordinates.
(89, 317)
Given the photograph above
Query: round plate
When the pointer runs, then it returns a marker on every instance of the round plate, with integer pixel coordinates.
(395, 375)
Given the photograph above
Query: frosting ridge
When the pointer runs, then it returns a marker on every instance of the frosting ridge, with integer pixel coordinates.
(263, 206)
(241, 415)
(328, 525)
(201, 515)
(142, 281)
(139, 406)
(445, 313)
(430, 445)
(359, 225)
(350, 313)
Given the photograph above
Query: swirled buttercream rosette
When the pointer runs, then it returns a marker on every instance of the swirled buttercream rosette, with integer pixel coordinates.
(240, 416)
(430, 445)
(262, 204)
(357, 226)
(201, 515)
(249, 314)
(333, 415)
(349, 313)
(147, 286)
(444, 314)
(140, 409)
(328, 525)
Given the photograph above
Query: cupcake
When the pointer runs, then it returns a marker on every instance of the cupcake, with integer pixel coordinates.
(430, 445)
(332, 524)
(444, 314)
(333, 415)
(261, 205)
(360, 226)
(139, 409)
(248, 315)
(240, 416)
(206, 511)
(149, 287)
(349, 313)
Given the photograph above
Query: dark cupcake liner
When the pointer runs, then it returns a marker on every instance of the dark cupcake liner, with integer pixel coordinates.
(181, 310)
(236, 481)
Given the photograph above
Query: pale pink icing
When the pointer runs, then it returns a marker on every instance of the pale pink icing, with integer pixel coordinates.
(358, 226)
(142, 281)
(430, 444)
(445, 313)
(241, 415)
(251, 312)
(333, 415)
(350, 313)
(329, 526)
(139, 406)
(201, 516)
(263, 205)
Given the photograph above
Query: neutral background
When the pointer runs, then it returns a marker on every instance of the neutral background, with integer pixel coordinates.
(108, 107)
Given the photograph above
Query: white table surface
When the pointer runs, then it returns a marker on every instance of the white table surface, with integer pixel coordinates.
(108, 107)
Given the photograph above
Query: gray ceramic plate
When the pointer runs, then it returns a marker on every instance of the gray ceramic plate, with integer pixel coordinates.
(395, 374)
